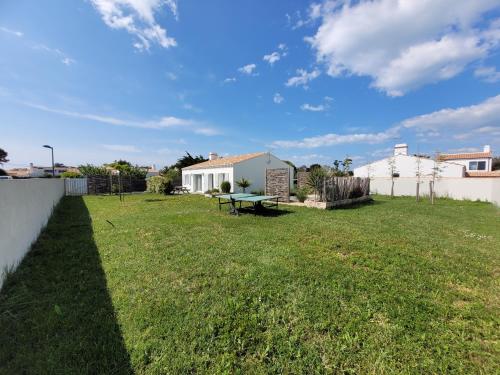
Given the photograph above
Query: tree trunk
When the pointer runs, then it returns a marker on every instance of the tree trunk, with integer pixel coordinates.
(392, 188)
(418, 191)
(431, 190)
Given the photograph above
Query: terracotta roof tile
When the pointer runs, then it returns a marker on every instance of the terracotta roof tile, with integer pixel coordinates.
(472, 155)
(227, 161)
(482, 174)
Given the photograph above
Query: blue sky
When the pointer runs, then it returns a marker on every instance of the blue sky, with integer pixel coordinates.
(146, 80)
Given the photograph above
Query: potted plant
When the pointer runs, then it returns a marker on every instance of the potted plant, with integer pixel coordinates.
(243, 183)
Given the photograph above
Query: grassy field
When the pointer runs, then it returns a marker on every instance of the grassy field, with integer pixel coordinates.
(160, 284)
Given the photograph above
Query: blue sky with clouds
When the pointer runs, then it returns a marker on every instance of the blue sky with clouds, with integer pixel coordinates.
(145, 80)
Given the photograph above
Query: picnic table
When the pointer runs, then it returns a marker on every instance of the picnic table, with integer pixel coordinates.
(180, 190)
(257, 201)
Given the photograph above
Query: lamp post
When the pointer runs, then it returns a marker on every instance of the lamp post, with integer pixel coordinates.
(52, 150)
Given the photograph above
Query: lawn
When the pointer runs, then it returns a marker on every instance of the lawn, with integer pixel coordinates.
(168, 284)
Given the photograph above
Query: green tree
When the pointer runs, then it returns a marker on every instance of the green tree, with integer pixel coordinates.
(188, 160)
(92, 170)
(496, 163)
(243, 183)
(3, 156)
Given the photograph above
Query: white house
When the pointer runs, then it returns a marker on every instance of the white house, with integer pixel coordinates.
(407, 166)
(474, 161)
(210, 174)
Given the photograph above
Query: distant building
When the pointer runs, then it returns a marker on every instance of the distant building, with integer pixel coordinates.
(152, 171)
(476, 164)
(37, 171)
(407, 166)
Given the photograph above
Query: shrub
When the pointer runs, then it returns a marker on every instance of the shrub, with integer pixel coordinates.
(315, 180)
(225, 187)
(69, 174)
(302, 193)
(243, 183)
(3, 173)
(92, 170)
(159, 185)
(258, 192)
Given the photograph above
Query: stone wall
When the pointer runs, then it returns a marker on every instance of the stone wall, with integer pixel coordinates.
(302, 178)
(278, 183)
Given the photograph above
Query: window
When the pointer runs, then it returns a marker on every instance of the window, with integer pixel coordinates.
(187, 179)
(477, 166)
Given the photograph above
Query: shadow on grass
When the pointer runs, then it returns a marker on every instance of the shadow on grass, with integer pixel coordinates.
(354, 206)
(266, 212)
(151, 200)
(56, 315)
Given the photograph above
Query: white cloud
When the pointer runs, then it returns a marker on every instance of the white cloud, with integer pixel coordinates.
(171, 76)
(272, 58)
(166, 122)
(337, 139)
(381, 39)
(121, 148)
(138, 18)
(313, 108)
(12, 32)
(302, 78)
(483, 115)
(278, 99)
(65, 59)
(488, 74)
(248, 69)
(277, 55)
(192, 108)
(229, 80)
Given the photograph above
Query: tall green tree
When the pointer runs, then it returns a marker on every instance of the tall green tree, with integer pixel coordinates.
(188, 160)
(496, 163)
(3, 156)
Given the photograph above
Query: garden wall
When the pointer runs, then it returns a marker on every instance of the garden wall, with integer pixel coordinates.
(278, 183)
(484, 189)
(25, 208)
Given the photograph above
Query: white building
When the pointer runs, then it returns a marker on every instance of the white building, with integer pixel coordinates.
(474, 161)
(210, 174)
(405, 165)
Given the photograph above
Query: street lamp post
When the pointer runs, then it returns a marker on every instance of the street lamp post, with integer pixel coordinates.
(52, 150)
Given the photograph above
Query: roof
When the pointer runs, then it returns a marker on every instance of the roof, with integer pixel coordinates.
(224, 161)
(471, 155)
(482, 174)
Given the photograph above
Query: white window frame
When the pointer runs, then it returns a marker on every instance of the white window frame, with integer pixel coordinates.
(474, 165)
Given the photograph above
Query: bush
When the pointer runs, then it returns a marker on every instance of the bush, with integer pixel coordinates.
(159, 185)
(302, 193)
(243, 183)
(225, 187)
(258, 192)
(92, 170)
(69, 174)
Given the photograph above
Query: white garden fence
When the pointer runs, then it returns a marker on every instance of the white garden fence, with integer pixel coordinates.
(75, 186)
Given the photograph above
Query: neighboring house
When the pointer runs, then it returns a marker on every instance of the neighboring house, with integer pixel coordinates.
(36, 171)
(210, 174)
(407, 165)
(477, 164)
(152, 171)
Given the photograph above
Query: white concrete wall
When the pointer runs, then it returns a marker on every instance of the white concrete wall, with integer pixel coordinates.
(484, 189)
(255, 170)
(25, 208)
(205, 172)
(406, 166)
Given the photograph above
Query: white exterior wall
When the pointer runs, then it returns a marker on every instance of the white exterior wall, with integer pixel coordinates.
(484, 189)
(205, 172)
(465, 163)
(255, 170)
(406, 166)
(25, 208)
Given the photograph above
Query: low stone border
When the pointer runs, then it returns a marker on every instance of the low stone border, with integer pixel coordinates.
(342, 203)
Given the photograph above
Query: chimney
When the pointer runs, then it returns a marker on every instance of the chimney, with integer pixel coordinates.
(401, 149)
(487, 148)
(213, 156)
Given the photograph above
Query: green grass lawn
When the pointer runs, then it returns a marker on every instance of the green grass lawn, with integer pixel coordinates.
(160, 284)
